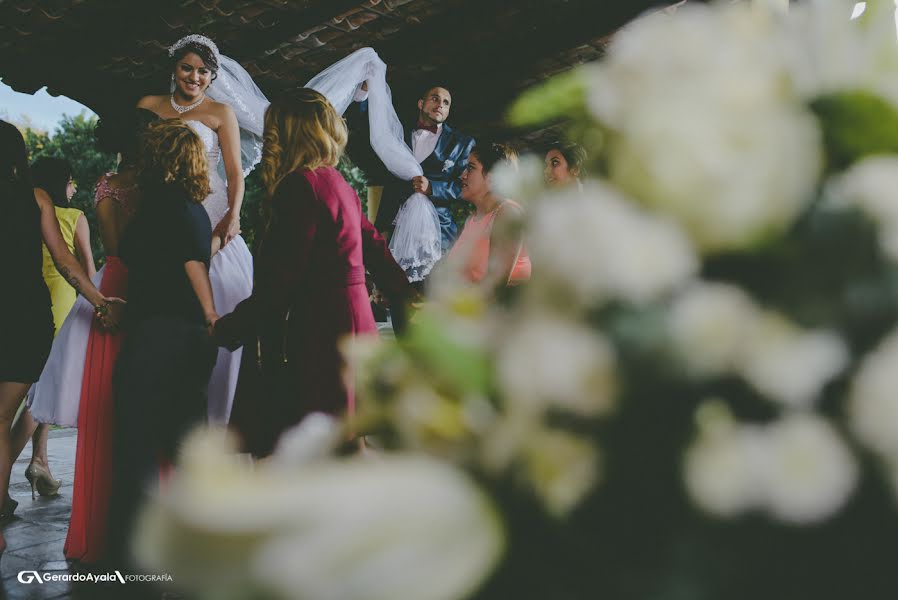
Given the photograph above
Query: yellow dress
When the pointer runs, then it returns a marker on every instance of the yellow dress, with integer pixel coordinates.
(62, 295)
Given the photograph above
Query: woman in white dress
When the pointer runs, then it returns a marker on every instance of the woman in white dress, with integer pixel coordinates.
(196, 65)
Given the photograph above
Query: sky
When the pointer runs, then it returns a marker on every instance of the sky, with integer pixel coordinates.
(44, 110)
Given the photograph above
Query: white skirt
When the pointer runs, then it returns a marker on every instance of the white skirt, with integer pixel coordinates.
(56, 396)
(231, 274)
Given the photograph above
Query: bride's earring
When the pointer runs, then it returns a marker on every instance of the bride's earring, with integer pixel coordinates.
(171, 86)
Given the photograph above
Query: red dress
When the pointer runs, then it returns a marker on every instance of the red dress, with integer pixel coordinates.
(93, 454)
(309, 293)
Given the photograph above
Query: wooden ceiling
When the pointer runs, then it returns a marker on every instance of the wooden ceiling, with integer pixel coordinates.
(103, 53)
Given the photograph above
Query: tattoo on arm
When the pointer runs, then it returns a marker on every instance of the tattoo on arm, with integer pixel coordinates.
(68, 276)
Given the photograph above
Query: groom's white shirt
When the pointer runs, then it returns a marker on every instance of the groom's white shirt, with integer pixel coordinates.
(424, 141)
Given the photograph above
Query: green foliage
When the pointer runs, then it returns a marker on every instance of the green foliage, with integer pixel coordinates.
(856, 124)
(73, 140)
(356, 179)
(561, 97)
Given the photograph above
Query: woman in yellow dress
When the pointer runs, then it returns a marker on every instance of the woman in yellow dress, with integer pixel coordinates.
(54, 176)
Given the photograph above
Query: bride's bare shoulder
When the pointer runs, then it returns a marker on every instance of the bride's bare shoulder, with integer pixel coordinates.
(219, 109)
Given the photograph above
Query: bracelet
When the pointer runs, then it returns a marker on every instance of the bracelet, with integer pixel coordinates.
(101, 310)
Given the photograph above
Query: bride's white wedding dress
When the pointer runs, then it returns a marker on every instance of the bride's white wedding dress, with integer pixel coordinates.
(56, 397)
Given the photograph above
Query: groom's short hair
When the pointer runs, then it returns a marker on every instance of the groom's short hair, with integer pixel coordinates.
(432, 86)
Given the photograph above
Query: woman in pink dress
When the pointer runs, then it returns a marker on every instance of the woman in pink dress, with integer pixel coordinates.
(116, 200)
(310, 289)
(490, 248)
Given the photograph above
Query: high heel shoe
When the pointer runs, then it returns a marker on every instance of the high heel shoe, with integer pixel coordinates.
(40, 479)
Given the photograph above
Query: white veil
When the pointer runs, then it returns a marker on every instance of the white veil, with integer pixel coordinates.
(236, 88)
(415, 243)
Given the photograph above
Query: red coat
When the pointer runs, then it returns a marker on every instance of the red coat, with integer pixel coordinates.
(309, 292)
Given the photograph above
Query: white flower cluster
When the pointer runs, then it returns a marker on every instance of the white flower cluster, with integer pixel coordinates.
(873, 404)
(329, 529)
(705, 125)
(716, 329)
(598, 246)
(797, 469)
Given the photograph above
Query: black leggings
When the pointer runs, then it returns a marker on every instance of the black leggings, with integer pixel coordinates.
(159, 388)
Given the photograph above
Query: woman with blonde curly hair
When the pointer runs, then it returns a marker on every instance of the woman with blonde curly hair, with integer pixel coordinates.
(167, 356)
(310, 277)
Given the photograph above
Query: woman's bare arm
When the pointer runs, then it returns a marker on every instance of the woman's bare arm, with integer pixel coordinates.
(82, 247)
(65, 261)
(229, 140)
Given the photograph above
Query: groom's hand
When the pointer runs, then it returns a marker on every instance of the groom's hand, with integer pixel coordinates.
(421, 185)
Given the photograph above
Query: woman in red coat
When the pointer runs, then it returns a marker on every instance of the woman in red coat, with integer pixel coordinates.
(309, 288)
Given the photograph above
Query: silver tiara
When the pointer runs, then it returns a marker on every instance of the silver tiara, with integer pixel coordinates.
(196, 39)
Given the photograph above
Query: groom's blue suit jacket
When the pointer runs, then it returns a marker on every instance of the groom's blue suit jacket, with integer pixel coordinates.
(442, 168)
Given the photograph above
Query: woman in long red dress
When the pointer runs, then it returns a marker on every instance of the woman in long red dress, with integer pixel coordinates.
(116, 200)
(310, 289)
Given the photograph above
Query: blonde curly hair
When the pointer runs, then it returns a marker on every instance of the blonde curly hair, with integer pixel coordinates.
(302, 131)
(173, 153)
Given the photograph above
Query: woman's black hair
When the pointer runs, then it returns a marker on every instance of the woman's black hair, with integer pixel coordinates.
(13, 156)
(121, 132)
(204, 52)
(52, 175)
(574, 154)
(490, 153)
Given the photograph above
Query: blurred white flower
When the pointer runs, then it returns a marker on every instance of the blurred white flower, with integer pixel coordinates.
(873, 404)
(426, 419)
(721, 469)
(597, 245)
(826, 52)
(544, 362)
(403, 526)
(399, 527)
(811, 473)
(215, 513)
(870, 185)
(561, 469)
(708, 325)
(314, 438)
(789, 365)
(798, 469)
(521, 182)
(705, 125)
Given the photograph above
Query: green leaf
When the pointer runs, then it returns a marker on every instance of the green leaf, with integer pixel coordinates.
(561, 97)
(447, 358)
(856, 124)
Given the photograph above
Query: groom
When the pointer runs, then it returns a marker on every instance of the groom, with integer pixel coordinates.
(441, 150)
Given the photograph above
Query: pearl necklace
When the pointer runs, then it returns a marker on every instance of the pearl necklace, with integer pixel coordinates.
(183, 109)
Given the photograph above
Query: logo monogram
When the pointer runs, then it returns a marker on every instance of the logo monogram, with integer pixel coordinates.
(30, 577)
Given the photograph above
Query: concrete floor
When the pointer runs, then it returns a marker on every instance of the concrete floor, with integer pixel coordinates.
(36, 534)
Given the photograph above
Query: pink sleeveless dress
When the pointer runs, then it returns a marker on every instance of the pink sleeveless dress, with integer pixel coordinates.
(93, 456)
(472, 249)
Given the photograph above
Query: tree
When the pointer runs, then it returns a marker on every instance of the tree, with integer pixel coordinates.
(73, 140)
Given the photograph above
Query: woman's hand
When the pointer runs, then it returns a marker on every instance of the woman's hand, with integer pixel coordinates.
(227, 229)
(110, 312)
(211, 319)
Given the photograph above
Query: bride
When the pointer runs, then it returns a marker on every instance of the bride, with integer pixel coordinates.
(216, 97)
